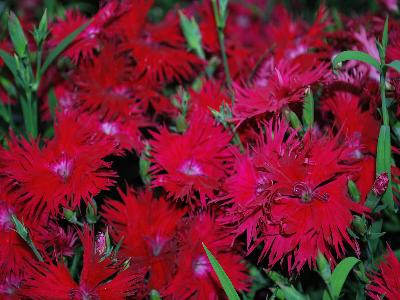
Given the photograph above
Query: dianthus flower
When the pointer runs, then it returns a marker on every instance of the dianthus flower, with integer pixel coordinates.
(196, 161)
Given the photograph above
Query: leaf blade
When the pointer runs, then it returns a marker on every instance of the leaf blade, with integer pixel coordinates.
(355, 55)
(62, 46)
(223, 278)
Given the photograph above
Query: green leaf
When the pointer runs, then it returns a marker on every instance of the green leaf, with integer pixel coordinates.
(395, 65)
(308, 109)
(339, 277)
(355, 55)
(9, 61)
(385, 34)
(353, 191)
(223, 278)
(373, 243)
(17, 35)
(62, 46)
(155, 295)
(192, 34)
(288, 290)
(40, 33)
(323, 267)
(383, 163)
(24, 234)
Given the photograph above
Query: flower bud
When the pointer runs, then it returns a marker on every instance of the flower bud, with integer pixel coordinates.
(381, 184)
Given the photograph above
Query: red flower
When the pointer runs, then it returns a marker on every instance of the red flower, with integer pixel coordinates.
(60, 241)
(293, 188)
(100, 278)
(274, 88)
(196, 161)
(104, 84)
(68, 169)
(148, 228)
(386, 281)
(84, 45)
(10, 286)
(14, 252)
(195, 278)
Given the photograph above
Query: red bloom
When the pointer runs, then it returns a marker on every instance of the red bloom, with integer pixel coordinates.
(196, 161)
(104, 84)
(68, 169)
(274, 88)
(148, 228)
(86, 43)
(61, 242)
(14, 252)
(293, 187)
(100, 277)
(386, 282)
(195, 278)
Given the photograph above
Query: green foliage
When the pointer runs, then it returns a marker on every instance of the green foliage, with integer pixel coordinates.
(223, 278)
(338, 278)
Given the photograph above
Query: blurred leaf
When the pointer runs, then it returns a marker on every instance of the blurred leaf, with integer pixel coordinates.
(9, 61)
(287, 289)
(383, 163)
(395, 65)
(308, 109)
(385, 34)
(353, 191)
(323, 267)
(192, 34)
(54, 53)
(40, 33)
(339, 277)
(223, 278)
(17, 35)
(355, 55)
(155, 295)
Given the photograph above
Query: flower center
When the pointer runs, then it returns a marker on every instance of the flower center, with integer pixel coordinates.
(306, 194)
(109, 128)
(157, 244)
(201, 266)
(63, 167)
(5, 216)
(192, 168)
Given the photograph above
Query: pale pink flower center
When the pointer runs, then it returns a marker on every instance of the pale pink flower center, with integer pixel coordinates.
(5, 216)
(201, 266)
(192, 168)
(109, 128)
(63, 167)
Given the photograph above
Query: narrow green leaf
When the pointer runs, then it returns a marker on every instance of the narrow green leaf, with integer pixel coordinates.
(308, 109)
(9, 61)
(395, 65)
(353, 191)
(192, 34)
(385, 34)
(323, 267)
(339, 277)
(223, 278)
(355, 55)
(62, 46)
(155, 295)
(383, 163)
(17, 35)
(284, 285)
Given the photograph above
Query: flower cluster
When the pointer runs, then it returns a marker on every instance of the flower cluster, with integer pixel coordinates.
(160, 130)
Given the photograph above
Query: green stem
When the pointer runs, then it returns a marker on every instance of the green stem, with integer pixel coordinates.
(35, 251)
(221, 40)
(75, 261)
(385, 114)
